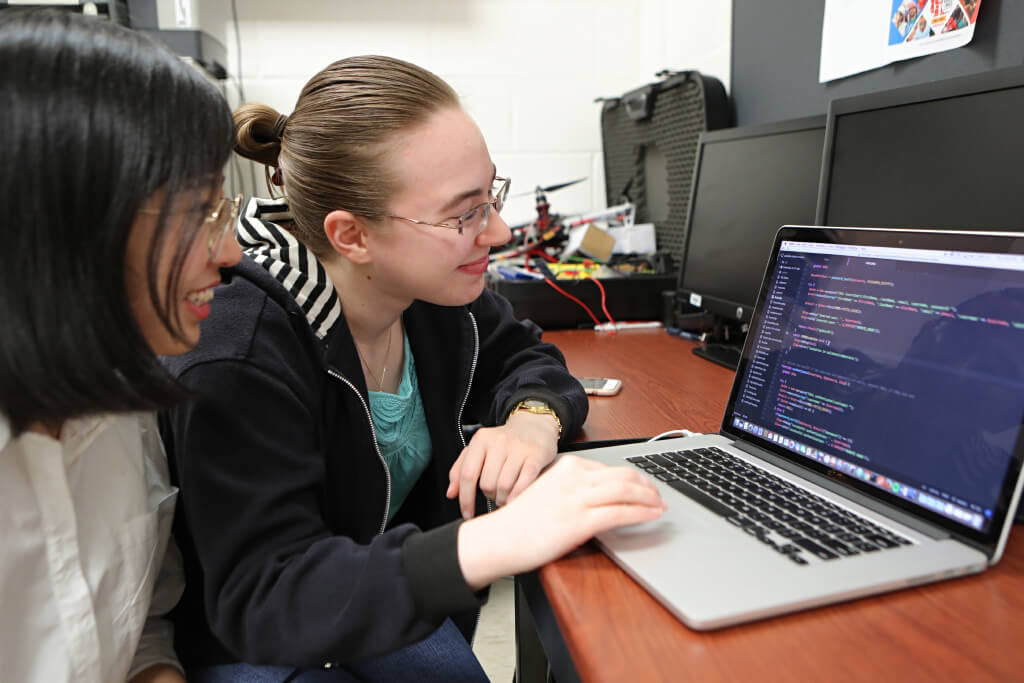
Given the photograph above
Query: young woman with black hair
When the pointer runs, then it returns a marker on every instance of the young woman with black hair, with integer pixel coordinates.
(330, 501)
(114, 232)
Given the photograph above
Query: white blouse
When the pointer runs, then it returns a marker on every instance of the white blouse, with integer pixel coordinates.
(85, 523)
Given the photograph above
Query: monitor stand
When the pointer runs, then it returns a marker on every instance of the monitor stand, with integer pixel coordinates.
(724, 354)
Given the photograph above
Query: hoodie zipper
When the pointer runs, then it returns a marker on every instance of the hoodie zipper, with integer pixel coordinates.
(469, 386)
(458, 425)
(472, 371)
(458, 420)
(462, 436)
(376, 446)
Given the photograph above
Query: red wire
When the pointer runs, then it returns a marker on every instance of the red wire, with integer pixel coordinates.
(538, 251)
(604, 303)
(570, 296)
(604, 300)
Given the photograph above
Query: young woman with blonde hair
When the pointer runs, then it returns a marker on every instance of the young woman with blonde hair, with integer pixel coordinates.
(332, 505)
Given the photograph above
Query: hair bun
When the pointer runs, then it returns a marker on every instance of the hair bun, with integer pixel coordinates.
(258, 131)
(282, 121)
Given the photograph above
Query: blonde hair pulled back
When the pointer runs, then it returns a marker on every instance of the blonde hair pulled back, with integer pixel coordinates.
(331, 151)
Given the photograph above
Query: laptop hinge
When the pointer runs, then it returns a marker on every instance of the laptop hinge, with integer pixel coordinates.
(931, 530)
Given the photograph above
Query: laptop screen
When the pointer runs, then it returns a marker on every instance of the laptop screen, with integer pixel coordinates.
(895, 361)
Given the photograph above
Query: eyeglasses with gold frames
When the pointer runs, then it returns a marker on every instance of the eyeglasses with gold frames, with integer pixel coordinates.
(217, 224)
(473, 221)
(220, 223)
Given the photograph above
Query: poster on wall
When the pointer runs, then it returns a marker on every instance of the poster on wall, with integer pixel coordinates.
(860, 35)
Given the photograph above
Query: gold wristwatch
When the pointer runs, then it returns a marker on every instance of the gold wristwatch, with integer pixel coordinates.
(538, 407)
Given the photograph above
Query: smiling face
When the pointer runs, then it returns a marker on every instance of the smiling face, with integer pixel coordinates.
(443, 169)
(189, 302)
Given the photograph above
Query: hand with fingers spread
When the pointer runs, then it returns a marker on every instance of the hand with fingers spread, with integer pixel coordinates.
(503, 460)
(565, 507)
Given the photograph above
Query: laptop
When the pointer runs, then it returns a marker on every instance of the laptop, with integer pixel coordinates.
(872, 439)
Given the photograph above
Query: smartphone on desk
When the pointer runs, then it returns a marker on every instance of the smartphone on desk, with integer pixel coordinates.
(600, 386)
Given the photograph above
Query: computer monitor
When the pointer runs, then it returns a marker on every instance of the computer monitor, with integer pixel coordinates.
(747, 183)
(946, 154)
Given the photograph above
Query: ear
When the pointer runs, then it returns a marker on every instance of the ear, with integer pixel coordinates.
(347, 235)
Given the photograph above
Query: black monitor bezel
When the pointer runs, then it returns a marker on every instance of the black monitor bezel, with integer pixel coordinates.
(988, 81)
(1012, 242)
(716, 305)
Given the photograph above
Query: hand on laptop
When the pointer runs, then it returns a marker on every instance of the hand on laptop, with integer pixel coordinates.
(503, 460)
(565, 507)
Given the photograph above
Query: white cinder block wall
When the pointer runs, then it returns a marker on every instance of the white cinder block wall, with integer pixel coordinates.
(528, 71)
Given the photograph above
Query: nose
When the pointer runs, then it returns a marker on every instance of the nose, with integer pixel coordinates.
(230, 252)
(496, 233)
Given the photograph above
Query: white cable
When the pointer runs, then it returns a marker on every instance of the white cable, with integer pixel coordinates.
(627, 325)
(674, 432)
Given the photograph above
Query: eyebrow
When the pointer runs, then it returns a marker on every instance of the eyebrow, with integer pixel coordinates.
(463, 196)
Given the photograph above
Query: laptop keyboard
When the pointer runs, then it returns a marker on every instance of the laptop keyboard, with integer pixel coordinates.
(789, 519)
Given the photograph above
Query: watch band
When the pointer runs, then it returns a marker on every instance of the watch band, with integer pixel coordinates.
(537, 407)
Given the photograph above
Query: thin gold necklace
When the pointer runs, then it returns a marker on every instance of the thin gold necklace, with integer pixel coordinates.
(380, 382)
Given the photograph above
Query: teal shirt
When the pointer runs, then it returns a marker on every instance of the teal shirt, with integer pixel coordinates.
(402, 433)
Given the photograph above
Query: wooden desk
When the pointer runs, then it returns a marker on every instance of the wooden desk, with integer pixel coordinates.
(596, 624)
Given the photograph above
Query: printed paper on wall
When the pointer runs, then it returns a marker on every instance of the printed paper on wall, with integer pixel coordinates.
(854, 39)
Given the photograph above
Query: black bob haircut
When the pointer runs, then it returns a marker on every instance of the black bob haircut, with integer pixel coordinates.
(95, 119)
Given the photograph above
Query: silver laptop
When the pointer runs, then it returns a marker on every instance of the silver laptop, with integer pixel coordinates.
(872, 440)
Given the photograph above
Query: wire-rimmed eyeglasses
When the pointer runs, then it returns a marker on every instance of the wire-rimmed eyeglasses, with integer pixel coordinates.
(220, 223)
(217, 224)
(473, 221)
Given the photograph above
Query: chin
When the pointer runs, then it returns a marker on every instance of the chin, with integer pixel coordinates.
(457, 291)
(462, 295)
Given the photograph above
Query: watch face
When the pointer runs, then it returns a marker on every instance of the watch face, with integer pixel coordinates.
(536, 406)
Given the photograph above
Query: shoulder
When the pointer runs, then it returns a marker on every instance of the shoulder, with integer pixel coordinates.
(446, 323)
(489, 316)
(492, 303)
(252, 319)
(494, 314)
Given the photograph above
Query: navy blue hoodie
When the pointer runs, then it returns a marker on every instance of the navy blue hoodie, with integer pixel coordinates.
(283, 491)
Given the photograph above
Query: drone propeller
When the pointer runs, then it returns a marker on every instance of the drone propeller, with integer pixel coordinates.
(550, 188)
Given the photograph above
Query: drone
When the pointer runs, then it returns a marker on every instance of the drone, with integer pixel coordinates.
(534, 238)
(533, 230)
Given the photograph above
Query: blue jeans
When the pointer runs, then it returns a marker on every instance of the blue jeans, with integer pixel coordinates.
(442, 656)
